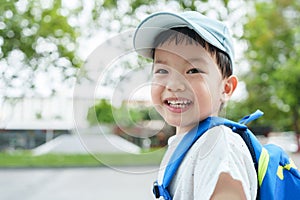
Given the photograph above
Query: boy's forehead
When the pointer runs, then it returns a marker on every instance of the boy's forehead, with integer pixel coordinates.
(188, 52)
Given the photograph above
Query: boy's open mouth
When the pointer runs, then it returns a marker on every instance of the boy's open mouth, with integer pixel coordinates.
(178, 103)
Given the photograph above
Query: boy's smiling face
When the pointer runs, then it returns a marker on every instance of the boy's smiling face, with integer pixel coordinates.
(187, 85)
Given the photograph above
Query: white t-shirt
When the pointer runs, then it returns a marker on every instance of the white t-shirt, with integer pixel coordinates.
(216, 151)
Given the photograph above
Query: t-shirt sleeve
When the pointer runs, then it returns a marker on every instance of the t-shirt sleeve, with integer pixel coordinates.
(229, 154)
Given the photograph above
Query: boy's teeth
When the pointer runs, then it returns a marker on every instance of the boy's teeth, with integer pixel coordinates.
(178, 102)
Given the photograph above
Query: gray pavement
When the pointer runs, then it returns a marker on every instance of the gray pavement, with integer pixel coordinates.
(296, 159)
(103, 183)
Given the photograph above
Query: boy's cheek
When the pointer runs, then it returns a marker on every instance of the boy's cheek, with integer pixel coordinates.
(159, 81)
(157, 86)
(156, 92)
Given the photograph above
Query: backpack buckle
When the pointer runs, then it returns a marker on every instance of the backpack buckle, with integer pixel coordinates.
(156, 190)
(161, 192)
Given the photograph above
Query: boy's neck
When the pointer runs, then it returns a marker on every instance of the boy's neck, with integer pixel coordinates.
(183, 130)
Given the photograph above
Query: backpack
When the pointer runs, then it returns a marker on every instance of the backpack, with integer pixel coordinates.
(277, 175)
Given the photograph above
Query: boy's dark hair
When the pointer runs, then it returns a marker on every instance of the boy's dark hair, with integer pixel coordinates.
(189, 36)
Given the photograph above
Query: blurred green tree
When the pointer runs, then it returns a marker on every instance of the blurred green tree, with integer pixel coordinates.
(125, 115)
(38, 36)
(272, 33)
(101, 112)
(35, 36)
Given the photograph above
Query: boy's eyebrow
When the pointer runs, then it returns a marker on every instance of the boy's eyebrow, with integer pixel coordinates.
(157, 61)
(188, 61)
(191, 60)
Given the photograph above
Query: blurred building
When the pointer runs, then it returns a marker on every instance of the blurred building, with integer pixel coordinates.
(47, 125)
(26, 123)
(29, 122)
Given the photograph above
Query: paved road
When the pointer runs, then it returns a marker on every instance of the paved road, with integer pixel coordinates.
(102, 183)
(133, 183)
(296, 159)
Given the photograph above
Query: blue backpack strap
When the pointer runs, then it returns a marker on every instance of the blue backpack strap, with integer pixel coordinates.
(249, 138)
(257, 114)
(190, 138)
(185, 144)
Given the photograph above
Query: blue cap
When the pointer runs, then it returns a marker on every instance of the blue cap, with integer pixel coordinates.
(213, 31)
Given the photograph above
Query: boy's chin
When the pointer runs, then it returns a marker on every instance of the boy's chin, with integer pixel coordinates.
(173, 123)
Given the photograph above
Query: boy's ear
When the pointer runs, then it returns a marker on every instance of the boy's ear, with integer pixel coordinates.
(229, 87)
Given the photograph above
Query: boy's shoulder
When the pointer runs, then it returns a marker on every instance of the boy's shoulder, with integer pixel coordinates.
(220, 140)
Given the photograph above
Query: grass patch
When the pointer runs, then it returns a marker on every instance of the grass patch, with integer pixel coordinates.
(26, 159)
(152, 157)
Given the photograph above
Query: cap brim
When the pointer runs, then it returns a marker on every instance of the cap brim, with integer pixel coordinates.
(153, 25)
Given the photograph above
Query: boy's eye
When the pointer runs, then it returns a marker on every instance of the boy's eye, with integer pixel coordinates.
(194, 70)
(161, 71)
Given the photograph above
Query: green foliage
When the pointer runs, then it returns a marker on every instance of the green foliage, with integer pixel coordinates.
(44, 35)
(109, 4)
(190, 5)
(126, 115)
(23, 28)
(135, 4)
(101, 112)
(38, 115)
(40, 35)
(272, 34)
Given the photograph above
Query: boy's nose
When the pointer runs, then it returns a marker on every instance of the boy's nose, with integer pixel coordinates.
(176, 83)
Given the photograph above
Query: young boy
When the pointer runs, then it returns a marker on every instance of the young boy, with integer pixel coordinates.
(192, 80)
